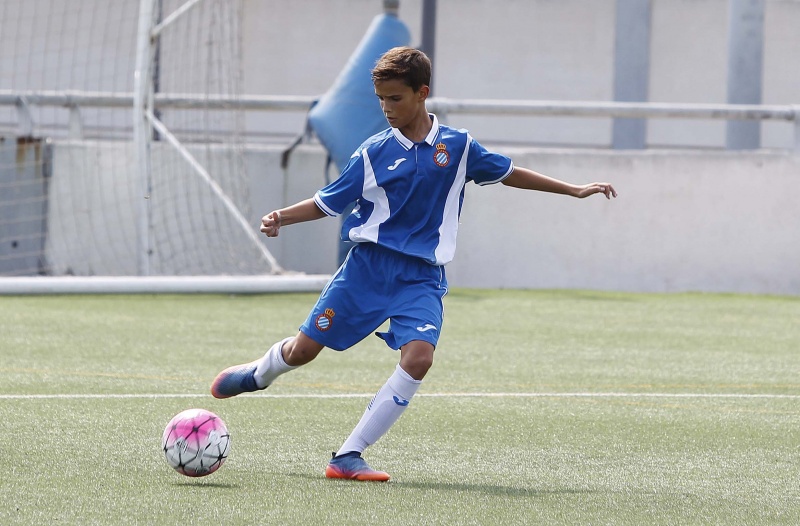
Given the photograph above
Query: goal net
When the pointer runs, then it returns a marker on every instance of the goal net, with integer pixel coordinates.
(121, 149)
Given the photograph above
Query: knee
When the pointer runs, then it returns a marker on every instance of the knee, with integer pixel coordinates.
(417, 361)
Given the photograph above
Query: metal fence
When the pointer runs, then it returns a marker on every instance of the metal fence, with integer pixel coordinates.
(73, 101)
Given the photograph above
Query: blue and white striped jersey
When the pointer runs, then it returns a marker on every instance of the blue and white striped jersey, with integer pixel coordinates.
(408, 195)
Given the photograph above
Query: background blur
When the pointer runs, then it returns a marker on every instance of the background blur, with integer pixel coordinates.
(705, 203)
(534, 49)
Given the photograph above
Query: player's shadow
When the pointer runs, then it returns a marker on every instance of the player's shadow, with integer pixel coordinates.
(490, 489)
(487, 489)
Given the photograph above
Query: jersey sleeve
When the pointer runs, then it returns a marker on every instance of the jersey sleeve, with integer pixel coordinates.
(485, 167)
(334, 198)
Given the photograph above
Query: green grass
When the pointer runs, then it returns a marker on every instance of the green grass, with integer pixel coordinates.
(629, 409)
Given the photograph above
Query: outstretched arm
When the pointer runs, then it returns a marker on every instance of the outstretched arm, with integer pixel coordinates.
(303, 211)
(530, 180)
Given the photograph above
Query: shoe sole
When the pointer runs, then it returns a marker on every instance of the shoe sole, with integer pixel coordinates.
(332, 472)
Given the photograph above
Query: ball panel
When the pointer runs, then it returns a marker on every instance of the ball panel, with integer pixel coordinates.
(196, 442)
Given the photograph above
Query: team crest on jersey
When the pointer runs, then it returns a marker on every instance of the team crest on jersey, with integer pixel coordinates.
(325, 320)
(442, 156)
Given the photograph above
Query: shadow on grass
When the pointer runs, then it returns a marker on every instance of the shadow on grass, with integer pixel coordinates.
(200, 484)
(490, 489)
(487, 489)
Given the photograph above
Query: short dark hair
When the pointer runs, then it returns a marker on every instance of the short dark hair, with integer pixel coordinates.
(410, 65)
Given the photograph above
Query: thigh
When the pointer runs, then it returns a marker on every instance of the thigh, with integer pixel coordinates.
(351, 306)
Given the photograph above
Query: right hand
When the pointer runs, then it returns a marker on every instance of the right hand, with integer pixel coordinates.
(596, 188)
(271, 223)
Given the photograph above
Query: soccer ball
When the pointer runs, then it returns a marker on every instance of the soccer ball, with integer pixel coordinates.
(196, 442)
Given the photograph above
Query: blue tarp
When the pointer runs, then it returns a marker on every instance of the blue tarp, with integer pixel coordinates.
(349, 112)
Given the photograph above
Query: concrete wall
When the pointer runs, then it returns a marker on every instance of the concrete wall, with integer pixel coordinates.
(684, 221)
(723, 222)
(307, 247)
(696, 221)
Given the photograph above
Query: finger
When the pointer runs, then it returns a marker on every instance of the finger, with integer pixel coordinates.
(607, 190)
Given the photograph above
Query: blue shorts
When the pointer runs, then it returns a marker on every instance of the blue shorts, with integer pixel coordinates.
(375, 284)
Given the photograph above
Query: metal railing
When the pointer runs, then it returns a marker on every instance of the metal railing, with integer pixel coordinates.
(74, 100)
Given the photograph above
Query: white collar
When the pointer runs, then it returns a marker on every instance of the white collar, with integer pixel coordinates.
(430, 139)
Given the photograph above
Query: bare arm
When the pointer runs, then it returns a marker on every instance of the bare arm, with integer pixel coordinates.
(303, 211)
(530, 180)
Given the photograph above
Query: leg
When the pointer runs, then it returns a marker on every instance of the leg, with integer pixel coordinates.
(300, 350)
(389, 403)
(392, 399)
(284, 356)
(416, 358)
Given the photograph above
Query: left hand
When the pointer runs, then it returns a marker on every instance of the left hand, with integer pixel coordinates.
(596, 188)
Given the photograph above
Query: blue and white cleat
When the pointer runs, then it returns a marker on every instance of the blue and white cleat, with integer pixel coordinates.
(352, 467)
(235, 381)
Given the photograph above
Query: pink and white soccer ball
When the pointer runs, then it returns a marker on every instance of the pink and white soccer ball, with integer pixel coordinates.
(196, 442)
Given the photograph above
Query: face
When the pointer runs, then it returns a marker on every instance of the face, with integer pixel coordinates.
(400, 103)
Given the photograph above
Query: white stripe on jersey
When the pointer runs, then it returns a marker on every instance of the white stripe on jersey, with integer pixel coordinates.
(508, 172)
(380, 212)
(448, 230)
(322, 206)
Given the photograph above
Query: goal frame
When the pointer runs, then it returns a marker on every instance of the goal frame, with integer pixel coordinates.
(145, 122)
(147, 126)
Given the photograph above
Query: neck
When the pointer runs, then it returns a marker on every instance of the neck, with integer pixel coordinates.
(419, 128)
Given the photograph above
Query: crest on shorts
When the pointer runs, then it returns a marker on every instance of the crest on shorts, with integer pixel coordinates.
(325, 320)
(442, 156)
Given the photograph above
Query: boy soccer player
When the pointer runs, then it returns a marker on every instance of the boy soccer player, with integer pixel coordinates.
(407, 184)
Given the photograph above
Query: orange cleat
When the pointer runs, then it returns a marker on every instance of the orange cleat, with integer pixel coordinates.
(351, 466)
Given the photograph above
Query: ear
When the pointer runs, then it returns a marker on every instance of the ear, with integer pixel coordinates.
(423, 93)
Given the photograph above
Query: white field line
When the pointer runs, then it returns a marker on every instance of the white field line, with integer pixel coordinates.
(421, 395)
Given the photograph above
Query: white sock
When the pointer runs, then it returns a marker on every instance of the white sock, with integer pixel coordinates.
(272, 365)
(382, 412)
